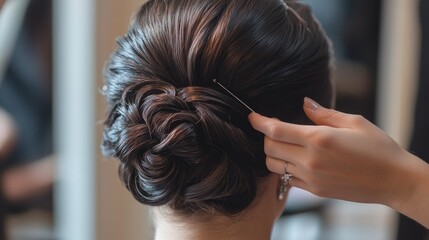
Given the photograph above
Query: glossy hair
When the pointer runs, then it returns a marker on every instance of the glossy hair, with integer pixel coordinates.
(181, 140)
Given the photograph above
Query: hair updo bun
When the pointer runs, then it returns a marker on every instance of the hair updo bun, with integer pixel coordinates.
(182, 141)
(176, 147)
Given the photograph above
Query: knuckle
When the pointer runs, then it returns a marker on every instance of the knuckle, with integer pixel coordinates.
(269, 165)
(357, 120)
(267, 145)
(313, 164)
(308, 133)
(273, 131)
(328, 114)
(323, 139)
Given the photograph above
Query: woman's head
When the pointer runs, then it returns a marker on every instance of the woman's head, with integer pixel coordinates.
(182, 141)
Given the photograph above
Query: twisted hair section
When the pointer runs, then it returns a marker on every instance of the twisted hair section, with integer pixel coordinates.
(176, 146)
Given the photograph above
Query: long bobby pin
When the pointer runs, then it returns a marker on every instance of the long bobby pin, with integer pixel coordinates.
(238, 99)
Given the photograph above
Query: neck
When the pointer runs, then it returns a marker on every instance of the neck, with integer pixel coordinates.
(255, 223)
(248, 226)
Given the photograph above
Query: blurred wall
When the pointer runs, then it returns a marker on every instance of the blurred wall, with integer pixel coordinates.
(90, 201)
(119, 216)
(399, 58)
(74, 118)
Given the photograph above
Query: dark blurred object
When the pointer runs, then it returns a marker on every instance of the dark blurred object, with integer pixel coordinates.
(358, 66)
(408, 228)
(354, 28)
(25, 94)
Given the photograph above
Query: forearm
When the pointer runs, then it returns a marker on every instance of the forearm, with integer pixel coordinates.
(415, 204)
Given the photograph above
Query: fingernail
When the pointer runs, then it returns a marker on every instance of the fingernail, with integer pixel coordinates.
(311, 104)
(252, 113)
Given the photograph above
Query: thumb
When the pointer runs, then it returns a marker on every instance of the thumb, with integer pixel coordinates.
(324, 116)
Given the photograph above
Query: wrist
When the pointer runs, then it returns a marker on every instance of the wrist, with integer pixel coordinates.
(415, 174)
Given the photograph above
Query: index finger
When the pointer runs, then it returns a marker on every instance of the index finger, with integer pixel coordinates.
(278, 130)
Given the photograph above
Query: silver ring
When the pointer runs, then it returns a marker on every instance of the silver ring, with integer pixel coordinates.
(284, 182)
(286, 176)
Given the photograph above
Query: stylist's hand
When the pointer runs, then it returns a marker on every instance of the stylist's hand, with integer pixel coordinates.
(346, 157)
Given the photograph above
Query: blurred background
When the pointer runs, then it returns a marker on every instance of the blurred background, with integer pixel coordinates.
(54, 183)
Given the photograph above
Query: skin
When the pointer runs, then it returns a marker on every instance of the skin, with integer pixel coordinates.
(7, 133)
(255, 223)
(28, 181)
(346, 157)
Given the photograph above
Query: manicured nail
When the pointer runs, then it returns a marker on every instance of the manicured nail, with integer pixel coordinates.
(311, 104)
(250, 114)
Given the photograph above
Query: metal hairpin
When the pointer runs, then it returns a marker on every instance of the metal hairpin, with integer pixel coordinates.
(238, 99)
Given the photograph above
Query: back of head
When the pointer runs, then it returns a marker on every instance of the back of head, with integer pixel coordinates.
(182, 141)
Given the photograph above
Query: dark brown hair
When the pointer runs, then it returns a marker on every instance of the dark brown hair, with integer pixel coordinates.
(182, 141)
